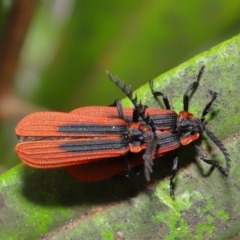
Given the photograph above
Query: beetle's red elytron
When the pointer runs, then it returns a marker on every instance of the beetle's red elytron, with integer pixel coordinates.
(90, 136)
(89, 141)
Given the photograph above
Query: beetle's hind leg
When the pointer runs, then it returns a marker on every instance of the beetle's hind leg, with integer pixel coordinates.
(214, 163)
(174, 171)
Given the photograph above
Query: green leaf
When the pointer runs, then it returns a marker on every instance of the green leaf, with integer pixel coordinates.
(52, 205)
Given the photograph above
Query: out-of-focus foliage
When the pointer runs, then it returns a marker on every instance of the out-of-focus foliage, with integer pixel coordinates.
(70, 44)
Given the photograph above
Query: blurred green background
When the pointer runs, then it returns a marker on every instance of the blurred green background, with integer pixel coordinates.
(71, 43)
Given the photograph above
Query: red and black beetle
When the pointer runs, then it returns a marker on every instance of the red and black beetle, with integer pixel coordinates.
(88, 141)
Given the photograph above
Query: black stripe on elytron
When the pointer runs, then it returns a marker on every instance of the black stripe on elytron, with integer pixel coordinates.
(93, 145)
(76, 128)
(164, 120)
(168, 139)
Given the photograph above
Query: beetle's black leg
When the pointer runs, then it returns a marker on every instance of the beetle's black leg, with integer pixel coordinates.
(191, 88)
(207, 107)
(148, 157)
(210, 162)
(119, 107)
(128, 169)
(174, 170)
(157, 93)
(147, 167)
(222, 149)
